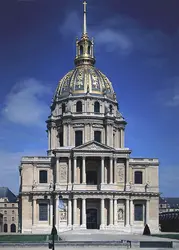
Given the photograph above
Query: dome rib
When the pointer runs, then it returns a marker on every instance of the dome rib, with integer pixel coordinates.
(83, 79)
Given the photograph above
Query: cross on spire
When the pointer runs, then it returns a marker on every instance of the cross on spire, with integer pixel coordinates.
(84, 24)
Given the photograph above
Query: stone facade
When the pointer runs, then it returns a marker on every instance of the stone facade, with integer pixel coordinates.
(97, 184)
(9, 211)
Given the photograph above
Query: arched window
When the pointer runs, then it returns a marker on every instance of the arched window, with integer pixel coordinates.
(13, 228)
(5, 228)
(96, 107)
(138, 177)
(81, 50)
(89, 50)
(79, 107)
(63, 108)
(110, 109)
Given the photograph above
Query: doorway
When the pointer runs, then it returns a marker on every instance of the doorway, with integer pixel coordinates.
(91, 177)
(91, 218)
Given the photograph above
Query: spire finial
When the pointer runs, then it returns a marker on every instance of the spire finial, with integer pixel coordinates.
(84, 24)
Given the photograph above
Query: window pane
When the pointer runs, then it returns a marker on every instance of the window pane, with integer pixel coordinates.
(43, 176)
(79, 106)
(43, 212)
(96, 107)
(138, 177)
(138, 212)
(97, 136)
(78, 138)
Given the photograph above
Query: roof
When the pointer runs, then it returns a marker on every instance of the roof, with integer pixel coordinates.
(172, 201)
(6, 193)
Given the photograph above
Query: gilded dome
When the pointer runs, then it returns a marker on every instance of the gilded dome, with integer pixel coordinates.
(82, 80)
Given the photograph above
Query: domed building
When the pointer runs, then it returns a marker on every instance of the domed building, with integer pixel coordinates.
(88, 169)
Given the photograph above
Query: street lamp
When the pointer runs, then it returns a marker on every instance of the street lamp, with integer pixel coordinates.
(54, 230)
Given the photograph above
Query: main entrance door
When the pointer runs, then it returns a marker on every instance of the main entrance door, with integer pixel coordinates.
(91, 218)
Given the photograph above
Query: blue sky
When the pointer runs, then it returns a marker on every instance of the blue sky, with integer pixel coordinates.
(136, 46)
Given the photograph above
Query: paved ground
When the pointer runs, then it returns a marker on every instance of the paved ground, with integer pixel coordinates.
(93, 235)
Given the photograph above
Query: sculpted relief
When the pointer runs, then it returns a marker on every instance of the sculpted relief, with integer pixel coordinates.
(120, 173)
(63, 173)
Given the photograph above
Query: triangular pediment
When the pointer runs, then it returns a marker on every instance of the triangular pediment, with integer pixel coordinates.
(93, 145)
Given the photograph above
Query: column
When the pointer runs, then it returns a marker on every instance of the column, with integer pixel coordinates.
(65, 132)
(91, 132)
(131, 212)
(147, 211)
(102, 170)
(115, 170)
(115, 211)
(127, 212)
(84, 171)
(122, 138)
(49, 140)
(69, 170)
(56, 212)
(111, 211)
(69, 213)
(74, 211)
(74, 170)
(108, 135)
(34, 207)
(57, 170)
(127, 172)
(51, 212)
(102, 212)
(84, 212)
(111, 170)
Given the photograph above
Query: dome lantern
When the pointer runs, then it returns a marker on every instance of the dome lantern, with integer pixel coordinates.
(84, 46)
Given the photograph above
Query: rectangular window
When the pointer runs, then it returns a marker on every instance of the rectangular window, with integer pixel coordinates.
(138, 213)
(138, 177)
(43, 212)
(5, 219)
(12, 218)
(43, 176)
(97, 136)
(78, 138)
(5, 212)
(61, 138)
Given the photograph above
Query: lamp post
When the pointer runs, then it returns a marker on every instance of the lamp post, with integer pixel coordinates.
(54, 230)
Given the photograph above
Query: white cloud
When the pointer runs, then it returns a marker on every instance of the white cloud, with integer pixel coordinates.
(25, 103)
(71, 25)
(9, 163)
(169, 94)
(123, 35)
(114, 41)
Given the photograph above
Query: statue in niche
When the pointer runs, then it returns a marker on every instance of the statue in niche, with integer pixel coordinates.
(120, 214)
(68, 108)
(34, 184)
(107, 108)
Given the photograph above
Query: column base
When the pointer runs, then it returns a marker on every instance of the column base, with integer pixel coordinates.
(83, 226)
(102, 227)
(75, 226)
